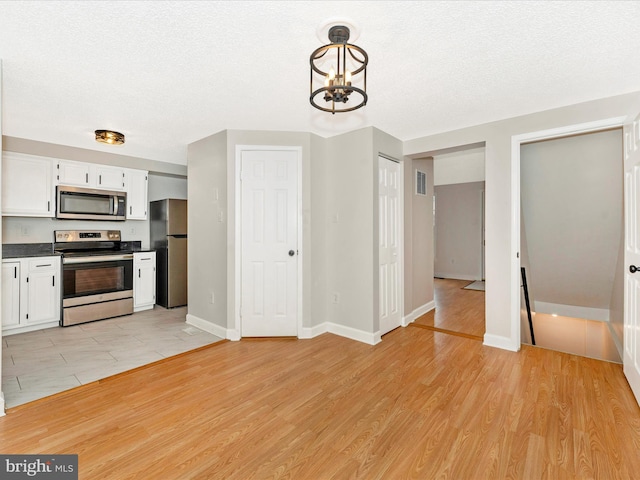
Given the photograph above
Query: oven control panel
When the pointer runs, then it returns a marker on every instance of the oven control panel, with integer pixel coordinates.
(87, 235)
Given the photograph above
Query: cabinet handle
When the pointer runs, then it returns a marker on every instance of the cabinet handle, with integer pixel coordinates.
(86, 178)
(100, 179)
(130, 209)
(138, 273)
(15, 272)
(53, 281)
(43, 265)
(48, 205)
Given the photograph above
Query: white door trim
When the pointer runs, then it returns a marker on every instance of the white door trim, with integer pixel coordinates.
(237, 241)
(516, 141)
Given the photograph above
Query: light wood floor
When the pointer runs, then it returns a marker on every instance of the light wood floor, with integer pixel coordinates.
(457, 310)
(421, 404)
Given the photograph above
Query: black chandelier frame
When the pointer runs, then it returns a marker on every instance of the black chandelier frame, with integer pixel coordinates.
(340, 89)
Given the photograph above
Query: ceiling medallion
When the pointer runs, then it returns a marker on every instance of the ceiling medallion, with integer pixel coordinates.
(110, 137)
(338, 74)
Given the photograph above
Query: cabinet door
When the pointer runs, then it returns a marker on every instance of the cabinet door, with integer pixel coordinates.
(144, 288)
(43, 290)
(10, 295)
(110, 178)
(27, 187)
(74, 173)
(137, 204)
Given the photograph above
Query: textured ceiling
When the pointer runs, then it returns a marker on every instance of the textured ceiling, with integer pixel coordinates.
(169, 73)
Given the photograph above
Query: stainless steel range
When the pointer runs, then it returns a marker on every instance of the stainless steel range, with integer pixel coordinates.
(97, 271)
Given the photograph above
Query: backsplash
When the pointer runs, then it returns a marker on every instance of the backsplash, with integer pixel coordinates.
(20, 230)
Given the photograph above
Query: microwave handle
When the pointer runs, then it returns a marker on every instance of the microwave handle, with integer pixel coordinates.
(115, 205)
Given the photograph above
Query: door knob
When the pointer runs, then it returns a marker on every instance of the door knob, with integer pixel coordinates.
(291, 253)
(633, 269)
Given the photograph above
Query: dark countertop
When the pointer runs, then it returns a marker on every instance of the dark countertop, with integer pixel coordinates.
(23, 250)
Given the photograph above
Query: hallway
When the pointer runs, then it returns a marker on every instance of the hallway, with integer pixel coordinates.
(458, 311)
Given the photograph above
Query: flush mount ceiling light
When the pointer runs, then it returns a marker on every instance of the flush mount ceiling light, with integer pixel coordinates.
(110, 137)
(338, 74)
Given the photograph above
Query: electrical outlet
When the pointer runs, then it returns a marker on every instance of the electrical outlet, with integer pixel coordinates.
(335, 297)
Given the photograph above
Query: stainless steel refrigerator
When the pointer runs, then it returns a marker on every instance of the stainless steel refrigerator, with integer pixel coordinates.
(168, 224)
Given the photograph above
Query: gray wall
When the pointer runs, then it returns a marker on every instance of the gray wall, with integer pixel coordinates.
(502, 241)
(339, 215)
(458, 231)
(418, 241)
(572, 210)
(207, 240)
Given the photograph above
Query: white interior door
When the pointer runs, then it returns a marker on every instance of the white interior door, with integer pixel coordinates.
(632, 255)
(269, 283)
(389, 238)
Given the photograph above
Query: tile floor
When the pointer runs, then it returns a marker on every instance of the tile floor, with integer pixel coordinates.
(41, 363)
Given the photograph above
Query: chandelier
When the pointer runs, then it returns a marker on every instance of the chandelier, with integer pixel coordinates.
(337, 70)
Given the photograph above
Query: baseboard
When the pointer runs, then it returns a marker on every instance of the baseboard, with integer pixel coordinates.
(354, 334)
(457, 276)
(311, 332)
(418, 312)
(616, 340)
(599, 314)
(505, 343)
(208, 327)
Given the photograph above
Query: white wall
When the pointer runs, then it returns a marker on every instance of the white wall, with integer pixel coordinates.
(502, 243)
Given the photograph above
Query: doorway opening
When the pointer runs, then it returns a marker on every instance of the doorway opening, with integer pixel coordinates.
(572, 247)
(518, 312)
(458, 233)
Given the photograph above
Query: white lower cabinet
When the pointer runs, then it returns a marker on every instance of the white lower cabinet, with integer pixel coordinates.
(10, 295)
(30, 293)
(144, 281)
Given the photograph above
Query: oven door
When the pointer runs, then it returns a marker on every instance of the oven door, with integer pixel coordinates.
(96, 287)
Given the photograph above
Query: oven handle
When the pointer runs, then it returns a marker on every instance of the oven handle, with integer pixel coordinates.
(97, 258)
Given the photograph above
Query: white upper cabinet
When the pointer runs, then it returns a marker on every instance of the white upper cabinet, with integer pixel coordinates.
(27, 185)
(80, 174)
(110, 178)
(136, 185)
(73, 173)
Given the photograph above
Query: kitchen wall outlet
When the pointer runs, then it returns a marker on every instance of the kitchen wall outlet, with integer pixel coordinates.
(220, 216)
(25, 231)
(133, 230)
(335, 297)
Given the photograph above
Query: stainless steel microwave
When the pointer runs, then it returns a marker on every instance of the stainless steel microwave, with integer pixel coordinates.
(80, 203)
